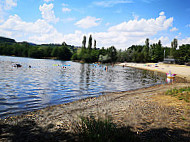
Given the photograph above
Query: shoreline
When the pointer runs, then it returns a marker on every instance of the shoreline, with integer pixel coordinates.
(146, 111)
(143, 110)
(181, 70)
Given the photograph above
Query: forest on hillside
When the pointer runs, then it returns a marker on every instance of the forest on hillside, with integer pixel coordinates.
(90, 53)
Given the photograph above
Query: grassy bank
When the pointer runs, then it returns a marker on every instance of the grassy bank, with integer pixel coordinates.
(181, 94)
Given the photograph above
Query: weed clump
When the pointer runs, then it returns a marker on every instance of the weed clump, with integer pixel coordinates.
(181, 94)
(102, 130)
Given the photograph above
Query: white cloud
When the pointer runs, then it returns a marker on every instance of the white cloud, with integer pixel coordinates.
(48, 0)
(6, 5)
(132, 32)
(173, 29)
(143, 27)
(184, 41)
(9, 4)
(121, 36)
(162, 13)
(65, 9)
(88, 22)
(37, 32)
(111, 3)
(48, 13)
(75, 38)
(164, 40)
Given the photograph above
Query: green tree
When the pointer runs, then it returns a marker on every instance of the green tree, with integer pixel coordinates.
(66, 53)
(102, 51)
(95, 44)
(90, 43)
(35, 52)
(74, 56)
(112, 53)
(55, 52)
(94, 55)
(84, 42)
(157, 52)
(174, 45)
(147, 43)
(183, 55)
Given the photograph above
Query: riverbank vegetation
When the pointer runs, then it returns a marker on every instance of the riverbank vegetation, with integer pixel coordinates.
(181, 94)
(89, 52)
(100, 129)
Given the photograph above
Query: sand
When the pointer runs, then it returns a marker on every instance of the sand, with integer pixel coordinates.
(181, 70)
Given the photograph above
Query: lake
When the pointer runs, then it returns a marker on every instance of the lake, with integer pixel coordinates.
(47, 83)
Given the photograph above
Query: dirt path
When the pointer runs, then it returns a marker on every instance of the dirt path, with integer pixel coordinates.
(147, 111)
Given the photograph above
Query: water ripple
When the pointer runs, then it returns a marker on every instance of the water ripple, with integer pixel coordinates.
(47, 83)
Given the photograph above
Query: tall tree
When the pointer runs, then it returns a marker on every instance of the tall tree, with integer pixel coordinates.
(84, 42)
(159, 43)
(175, 43)
(147, 43)
(95, 44)
(146, 51)
(90, 42)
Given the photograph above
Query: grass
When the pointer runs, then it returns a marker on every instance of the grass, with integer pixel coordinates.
(102, 130)
(181, 94)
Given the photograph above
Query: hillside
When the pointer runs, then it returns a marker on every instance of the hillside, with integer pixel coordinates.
(6, 40)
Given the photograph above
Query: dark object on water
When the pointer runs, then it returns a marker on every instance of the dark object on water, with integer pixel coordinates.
(29, 66)
(17, 65)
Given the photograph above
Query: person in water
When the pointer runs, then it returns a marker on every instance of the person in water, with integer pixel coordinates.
(106, 68)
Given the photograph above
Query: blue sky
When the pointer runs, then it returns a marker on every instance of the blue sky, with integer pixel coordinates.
(121, 23)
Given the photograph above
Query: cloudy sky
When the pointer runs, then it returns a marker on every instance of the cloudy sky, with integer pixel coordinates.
(121, 23)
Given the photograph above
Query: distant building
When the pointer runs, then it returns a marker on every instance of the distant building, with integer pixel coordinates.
(169, 61)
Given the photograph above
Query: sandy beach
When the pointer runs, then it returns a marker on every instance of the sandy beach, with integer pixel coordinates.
(181, 70)
(148, 113)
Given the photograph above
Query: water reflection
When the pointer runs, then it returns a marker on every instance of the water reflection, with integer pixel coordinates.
(169, 80)
(48, 83)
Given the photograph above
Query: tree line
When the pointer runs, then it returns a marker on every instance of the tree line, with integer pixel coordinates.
(92, 54)
(155, 53)
(25, 49)
(89, 52)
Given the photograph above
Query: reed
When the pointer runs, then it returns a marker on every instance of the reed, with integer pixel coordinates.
(102, 130)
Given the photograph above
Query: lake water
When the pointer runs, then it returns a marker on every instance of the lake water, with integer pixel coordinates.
(47, 83)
